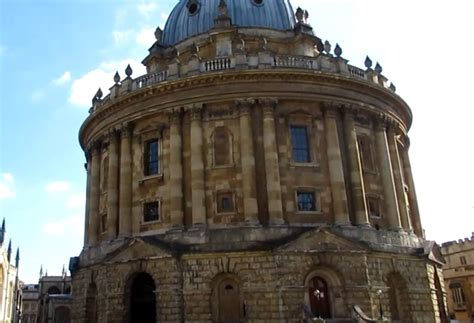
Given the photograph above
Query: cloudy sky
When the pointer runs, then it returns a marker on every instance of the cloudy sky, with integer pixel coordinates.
(54, 54)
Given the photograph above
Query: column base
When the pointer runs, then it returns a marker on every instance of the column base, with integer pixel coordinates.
(252, 223)
(365, 226)
(277, 223)
(198, 227)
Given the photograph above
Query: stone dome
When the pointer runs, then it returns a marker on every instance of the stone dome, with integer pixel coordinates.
(193, 17)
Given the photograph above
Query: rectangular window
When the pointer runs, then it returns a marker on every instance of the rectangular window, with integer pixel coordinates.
(151, 211)
(463, 260)
(458, 296)
(152, 161)
(300, 144)
(306, 201)
(366, 154)
(373, 206)
(225, 202)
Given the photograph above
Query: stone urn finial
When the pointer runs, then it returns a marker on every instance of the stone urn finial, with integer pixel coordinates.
(128, 71)
(368, 62)
(338, 50)
(299, 15)
(378, 68)
(327, 47)
(158, 34)
(116, 77)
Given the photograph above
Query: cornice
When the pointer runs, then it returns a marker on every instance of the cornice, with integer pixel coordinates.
(280, 75)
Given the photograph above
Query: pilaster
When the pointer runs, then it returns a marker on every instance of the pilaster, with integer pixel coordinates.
(386, 173)
(112, 189)
(336, 171)
(272, 167)
(176, 169)
(197, 168)
(249, 185)
(94, 197)
(125, 204)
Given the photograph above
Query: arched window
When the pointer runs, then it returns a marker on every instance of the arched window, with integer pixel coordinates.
(141, 299)
(91, 304)
(222, 147)
(227, 304)
(62, 314)
(53, 290)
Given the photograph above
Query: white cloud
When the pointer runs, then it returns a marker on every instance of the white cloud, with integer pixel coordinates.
(57, 186)
(84, 88)
(7, 186)
(76, 201)
(121, 36)
(69, 226)
(63, 79)
(146, 36)
(146, 9)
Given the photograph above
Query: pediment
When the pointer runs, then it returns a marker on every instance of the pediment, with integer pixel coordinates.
(322, 240)
(138, 249)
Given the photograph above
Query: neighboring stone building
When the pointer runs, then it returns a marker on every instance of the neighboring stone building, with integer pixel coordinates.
(9, 295)
(54, 299)
(29, 312)
(252, 175)
(459, 279)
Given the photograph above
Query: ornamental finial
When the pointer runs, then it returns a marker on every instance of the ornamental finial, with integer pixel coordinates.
(338, 50)
(116, 77)
(128, 71)
(368, 62)
(327, 47)
(378, 68)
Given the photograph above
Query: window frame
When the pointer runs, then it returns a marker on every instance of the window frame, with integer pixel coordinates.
(317, 200)
(378, 200)
(308, 149)
(217, 201)
(159, 208)
(363, 140)
(230, 142)
(146, 157)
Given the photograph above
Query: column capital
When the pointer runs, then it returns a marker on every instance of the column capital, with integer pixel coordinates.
(196, 111)
(126, 130)
(268, 104)
(381, 122)
(174, 115)
(112, 134)
(94, 148)
(244, 105)
(331, 109)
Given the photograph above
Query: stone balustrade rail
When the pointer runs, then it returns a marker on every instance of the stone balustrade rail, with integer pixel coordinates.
(323, 63)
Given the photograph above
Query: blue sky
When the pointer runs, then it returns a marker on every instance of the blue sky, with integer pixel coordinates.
(54, 55)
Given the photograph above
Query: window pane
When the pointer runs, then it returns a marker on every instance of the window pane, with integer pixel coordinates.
(300, 144)
(152, 166)
(306, 201)
(225, 203)
(151, 212)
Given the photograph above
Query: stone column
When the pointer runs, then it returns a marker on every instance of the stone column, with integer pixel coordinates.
(399, 181)
(385, 169)
(197, 169)
(272, 167)
(125, 204)
(247, 153)
(112, 187)
(94, 195)
(413, 201)
(336, 172)
(176, 170)
(355, 170)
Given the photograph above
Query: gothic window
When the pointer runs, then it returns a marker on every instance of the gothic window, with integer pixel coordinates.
(225, 202)
(306, 201)
(300, 144)
(374, 207)
(366, 153)
(222, 145)
(151, 211)
(152, 157)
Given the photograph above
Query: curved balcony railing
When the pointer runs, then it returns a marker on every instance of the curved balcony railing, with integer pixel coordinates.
(324, 63)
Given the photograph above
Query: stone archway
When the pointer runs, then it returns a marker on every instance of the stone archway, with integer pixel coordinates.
(323, 293)
(141, 300)
(227, 303)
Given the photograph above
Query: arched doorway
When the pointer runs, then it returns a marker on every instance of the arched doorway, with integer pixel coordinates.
(62, 314)
(319, 297)
(91, 304)
(227, 302)
(142, 299)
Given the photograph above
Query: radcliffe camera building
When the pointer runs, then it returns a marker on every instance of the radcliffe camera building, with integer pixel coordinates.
(251, 175)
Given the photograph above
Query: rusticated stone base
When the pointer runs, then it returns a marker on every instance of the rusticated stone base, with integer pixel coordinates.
(273, 279)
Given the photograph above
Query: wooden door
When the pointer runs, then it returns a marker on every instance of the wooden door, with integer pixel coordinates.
(319, 298)
(229, 302)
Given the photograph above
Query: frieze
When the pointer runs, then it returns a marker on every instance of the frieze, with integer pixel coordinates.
(221, 113)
